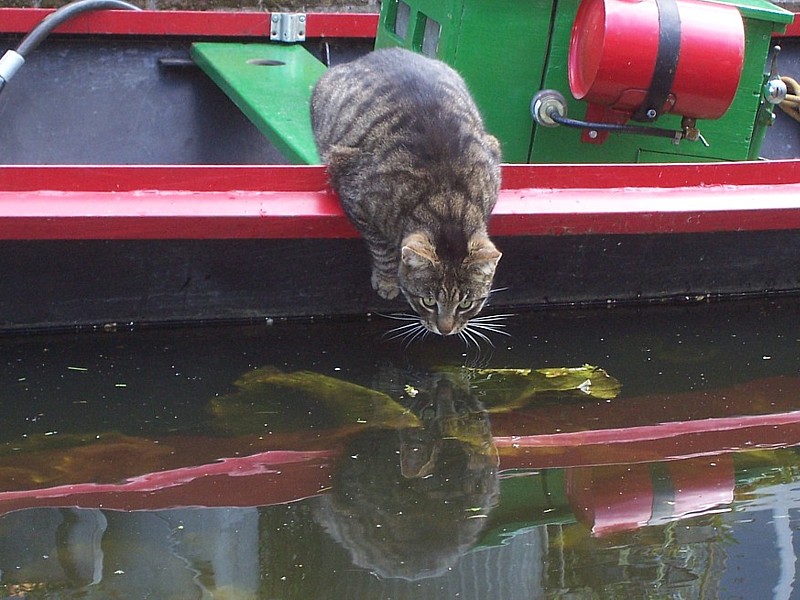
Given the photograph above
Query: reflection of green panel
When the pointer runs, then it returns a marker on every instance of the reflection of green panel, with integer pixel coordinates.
(271, 84)
(508, 50)
(497, 45)
(528, 499)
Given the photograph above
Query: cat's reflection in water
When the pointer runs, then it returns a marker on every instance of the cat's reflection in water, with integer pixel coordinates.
(408, 503)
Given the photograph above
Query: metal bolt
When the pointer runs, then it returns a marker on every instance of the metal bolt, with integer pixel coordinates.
(651, 114)
(592, 134)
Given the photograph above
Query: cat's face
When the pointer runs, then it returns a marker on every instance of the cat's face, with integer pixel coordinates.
(446, 296)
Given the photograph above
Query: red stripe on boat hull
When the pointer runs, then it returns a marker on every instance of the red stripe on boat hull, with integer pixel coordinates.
(49, 203)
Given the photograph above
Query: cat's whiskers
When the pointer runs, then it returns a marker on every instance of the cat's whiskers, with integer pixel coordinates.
(400, 316)
(476, 330)
(472, 337)
(421, 333)
(401, 331)
(475, 333)
(490, 322)
(492, 292)
(491, 318)
(495, 328)
(468, 337)
(408, 332)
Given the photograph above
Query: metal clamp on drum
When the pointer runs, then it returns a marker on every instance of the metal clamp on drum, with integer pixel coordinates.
(639, 59)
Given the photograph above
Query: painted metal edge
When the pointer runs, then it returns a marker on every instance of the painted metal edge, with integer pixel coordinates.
(177, 214)
(196, 178)
(189, 23)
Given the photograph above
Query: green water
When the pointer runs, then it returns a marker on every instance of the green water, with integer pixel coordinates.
(319, 460)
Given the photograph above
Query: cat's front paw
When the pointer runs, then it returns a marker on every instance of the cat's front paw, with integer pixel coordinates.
(386, 287)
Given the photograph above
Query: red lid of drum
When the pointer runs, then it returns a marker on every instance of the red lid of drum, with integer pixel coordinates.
(586, 46)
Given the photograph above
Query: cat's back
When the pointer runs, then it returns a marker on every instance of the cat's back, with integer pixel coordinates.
(388, 85)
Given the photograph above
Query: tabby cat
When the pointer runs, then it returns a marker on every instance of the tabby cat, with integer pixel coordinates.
(418, 175)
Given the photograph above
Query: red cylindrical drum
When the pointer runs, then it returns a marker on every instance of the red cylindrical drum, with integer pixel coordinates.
(621, 52)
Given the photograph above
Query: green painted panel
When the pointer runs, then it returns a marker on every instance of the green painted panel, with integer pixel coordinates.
(762, 10)
(501, 53)
(498, 46)
(735, 136)
(507, 50)
(271, 84)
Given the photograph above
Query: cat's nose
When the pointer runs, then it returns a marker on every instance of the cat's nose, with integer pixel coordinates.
(445, 325)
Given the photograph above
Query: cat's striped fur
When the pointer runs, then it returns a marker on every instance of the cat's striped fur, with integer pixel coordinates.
(417, 174)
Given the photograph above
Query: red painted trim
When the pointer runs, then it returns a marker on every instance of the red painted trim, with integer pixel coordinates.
(200, 23)
(312, 178)
(792, 30)
(647, 210)
(228, 202)
(659, 175)
(203, 178)
(188, 23)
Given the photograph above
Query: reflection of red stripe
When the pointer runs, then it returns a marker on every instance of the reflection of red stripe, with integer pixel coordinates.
(668, 441)
(626, 435)
(262, 479)
(277, 477)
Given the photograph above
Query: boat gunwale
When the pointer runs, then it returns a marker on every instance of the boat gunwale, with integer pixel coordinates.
(213, 23)
(69, 202)
(214, 202)
(188, 23)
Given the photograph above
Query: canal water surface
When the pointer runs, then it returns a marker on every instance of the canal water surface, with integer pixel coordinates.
(605, 453)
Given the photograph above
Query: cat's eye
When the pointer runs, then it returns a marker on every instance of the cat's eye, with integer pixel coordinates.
(466, 304)
(428, 301)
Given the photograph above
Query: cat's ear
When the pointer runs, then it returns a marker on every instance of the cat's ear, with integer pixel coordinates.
(418, 252)
(482, 256)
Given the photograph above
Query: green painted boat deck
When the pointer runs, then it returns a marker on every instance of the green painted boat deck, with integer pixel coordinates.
(271, 84)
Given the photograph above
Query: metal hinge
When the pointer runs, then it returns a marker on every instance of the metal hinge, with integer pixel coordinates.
(287, 27)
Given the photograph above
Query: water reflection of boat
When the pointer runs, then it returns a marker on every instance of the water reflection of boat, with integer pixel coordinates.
(168, 220)
(595, 473)
(504, 486)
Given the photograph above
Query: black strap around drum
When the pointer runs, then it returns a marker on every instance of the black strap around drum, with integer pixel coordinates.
(669, 49)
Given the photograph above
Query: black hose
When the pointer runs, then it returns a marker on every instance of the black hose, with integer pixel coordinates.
(615, 127)
(64, 14)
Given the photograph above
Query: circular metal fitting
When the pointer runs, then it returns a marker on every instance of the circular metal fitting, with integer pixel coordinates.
(545, 104)
(775, 91)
